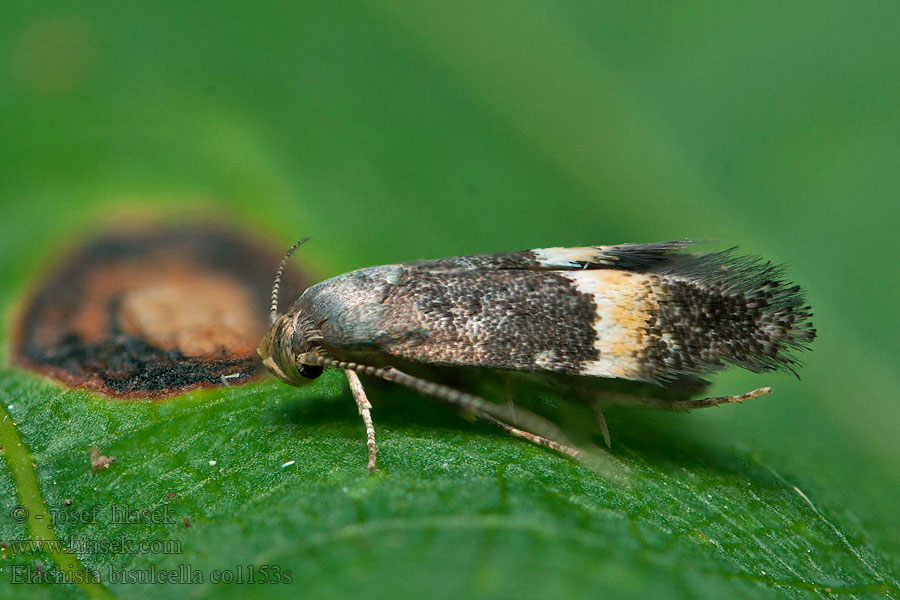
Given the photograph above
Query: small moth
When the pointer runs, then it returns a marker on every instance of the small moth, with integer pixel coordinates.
(642, 312)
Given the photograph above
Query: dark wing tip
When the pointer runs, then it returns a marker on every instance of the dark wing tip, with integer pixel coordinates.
(738, 310)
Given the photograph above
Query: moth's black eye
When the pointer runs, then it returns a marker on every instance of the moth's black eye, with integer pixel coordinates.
(309, 371)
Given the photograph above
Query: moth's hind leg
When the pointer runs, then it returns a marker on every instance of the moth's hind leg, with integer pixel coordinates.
(365, 408)
(717, 400)
(668, 404)
(531, 437)
(507, 386)
(676, 397)
(601, 421)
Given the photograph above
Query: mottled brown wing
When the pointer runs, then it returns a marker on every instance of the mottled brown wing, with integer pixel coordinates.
(670, 315)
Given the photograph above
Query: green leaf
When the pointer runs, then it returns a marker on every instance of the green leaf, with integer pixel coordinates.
(409, 131)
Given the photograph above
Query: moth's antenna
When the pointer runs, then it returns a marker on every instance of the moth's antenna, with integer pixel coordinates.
(489, 412)
(273, 311)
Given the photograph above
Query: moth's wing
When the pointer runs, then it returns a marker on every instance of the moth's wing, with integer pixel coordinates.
(514, 319)
(684, 315)
(630, 257)
(666, 317)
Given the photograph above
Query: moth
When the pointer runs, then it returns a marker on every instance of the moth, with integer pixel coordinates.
(641, 312)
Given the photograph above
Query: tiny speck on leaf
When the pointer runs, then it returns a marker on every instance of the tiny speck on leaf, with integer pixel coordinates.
(98, 461)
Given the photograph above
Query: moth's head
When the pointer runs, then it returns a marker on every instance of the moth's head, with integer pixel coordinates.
(282, 348)
(289, 338)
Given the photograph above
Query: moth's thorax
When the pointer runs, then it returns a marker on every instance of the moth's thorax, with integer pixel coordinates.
(349, 309)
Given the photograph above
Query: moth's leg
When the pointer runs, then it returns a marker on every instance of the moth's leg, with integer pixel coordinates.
(629, 400)
(509, 399)
(479, 407)
(362, 403)
(716, 400)
(531, 437)
(482, 409)
(601, 421)
(487, 411)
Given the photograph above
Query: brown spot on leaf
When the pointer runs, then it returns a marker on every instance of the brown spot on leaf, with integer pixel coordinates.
(153, 313)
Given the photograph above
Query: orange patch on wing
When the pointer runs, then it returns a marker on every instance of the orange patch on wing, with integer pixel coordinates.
(625, 303)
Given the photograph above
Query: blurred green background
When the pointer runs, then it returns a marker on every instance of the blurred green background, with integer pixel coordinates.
(399, 131)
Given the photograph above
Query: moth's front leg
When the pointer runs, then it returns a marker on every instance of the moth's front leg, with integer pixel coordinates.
(365, 408)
